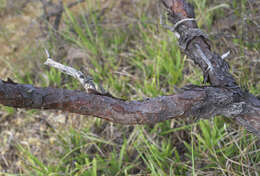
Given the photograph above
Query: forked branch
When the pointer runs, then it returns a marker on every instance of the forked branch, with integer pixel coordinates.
(223, 97)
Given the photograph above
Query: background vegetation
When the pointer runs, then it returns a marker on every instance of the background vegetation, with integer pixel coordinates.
(122, 44)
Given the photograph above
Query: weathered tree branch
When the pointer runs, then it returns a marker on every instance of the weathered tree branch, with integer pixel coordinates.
(202, 102)
(223, 97)
(215, 69)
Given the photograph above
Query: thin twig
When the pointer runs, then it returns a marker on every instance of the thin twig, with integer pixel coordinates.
(86, 81)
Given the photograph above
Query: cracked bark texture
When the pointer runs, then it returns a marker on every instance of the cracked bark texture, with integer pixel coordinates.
(223, 97)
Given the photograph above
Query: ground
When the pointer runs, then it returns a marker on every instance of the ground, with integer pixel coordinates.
(122, 44)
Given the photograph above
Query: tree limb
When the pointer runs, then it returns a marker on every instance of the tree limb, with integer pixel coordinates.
(223, 97)
(193, 101)
(215, 69)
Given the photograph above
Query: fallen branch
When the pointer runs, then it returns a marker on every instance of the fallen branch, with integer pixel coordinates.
(223, 97)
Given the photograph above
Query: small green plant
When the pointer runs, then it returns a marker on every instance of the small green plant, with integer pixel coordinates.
(211, 143)
(9, 110)
(205, 14)
(2, 5)
(54, 77)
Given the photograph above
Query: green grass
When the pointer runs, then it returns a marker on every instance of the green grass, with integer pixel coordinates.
(136, 61)
(205, 11)
(2, 5)
(212, 150)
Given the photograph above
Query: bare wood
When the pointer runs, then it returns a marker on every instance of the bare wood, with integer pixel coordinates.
(223, 97)
(85, 81)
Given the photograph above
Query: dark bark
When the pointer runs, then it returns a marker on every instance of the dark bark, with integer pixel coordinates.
(223, 97)
(215, 69)
(193, 101)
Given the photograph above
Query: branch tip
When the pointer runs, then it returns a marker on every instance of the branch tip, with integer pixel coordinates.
(225, 55)
(47, 53)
